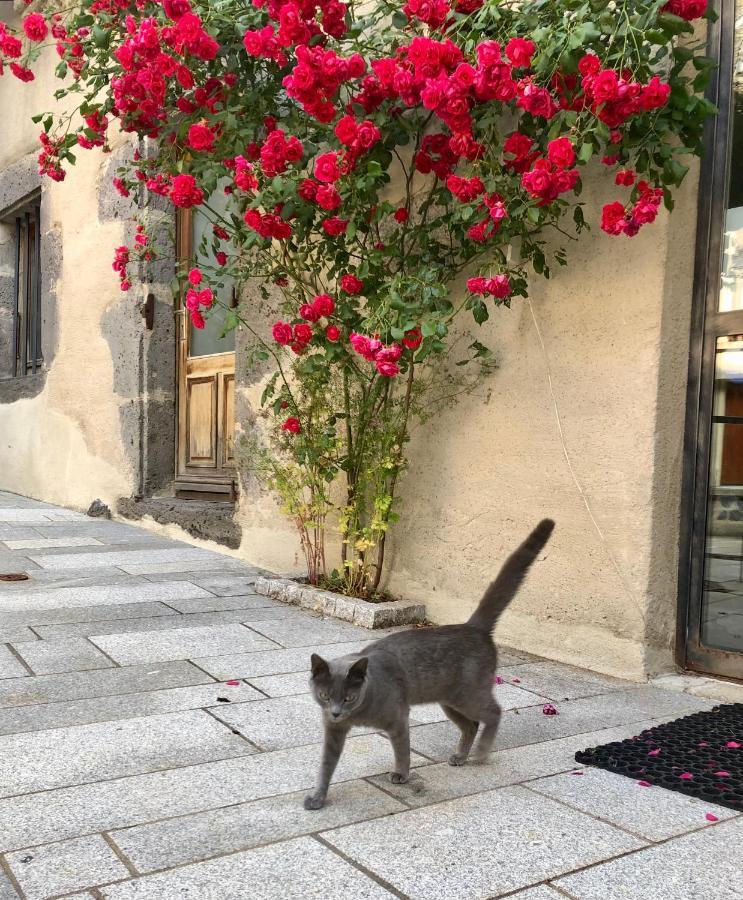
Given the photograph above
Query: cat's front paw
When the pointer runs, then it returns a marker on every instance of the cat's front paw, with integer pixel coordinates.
(457, 759)
(313, 802)
(398, 778)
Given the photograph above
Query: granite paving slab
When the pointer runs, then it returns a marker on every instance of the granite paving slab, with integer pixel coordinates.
(283, 685)
(269, 662)
(13, 532)
(312, 632)
(83, 614)
(70, 686)
(228, 585)
(123, 706)
(11, 635)
(46, 543)
(55, 815)
(182, 643)
(220, 603)
(50, 579)
(97, 595)
(40, 516)
(520, 840)
(185, 569)
(530, 725)
(163, 623)
(187, 839)
(10, 665)
(541, 892)
(123, 558)
(705, 865)
(651, 813)
(7, 891)
(45, 760)
(66, 866)
(66, 655)
(434, 783)
(558, 682)
(292, 870)
(277, 723)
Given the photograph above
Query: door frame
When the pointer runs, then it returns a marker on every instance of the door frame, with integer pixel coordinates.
(707, 325)
(185, 483)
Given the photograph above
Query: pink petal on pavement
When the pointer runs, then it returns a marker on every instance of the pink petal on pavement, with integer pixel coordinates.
(644, 784)
(711, 817)
(516, 680)
(703, 744)
(721, 774)
(686, 776)
(731, 745)
(232, 683)
(549, 710)
(654, 752)
(577, 772)
(497, 680)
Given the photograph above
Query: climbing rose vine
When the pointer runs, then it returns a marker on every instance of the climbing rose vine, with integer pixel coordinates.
(365, 157)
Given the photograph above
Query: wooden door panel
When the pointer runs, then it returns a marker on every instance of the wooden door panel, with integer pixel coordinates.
(201, 421)
(227, 411)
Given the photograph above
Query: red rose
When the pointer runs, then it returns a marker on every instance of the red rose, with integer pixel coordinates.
(332, 333)
(200, 137)
(413, 338)
(686, 9)
(520, 52)
(401, 215)
(221, 257)
(302, 333)
(327, 197)
(346, 130)
(282, 333)
(35, 27)
(291, 425)
(335, 226)
(184, 192)
(307, 189)
(498, 286)
(613, 218)
(590, 64)
(323, 305)
(477, 285)
(655, 94)
(625, 178)
(561, 153)
(605, 86)
(351, 284)
(326, 167)
(195, 276)
(308, 313)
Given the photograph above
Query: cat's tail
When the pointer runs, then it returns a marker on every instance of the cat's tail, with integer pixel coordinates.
(501, 591)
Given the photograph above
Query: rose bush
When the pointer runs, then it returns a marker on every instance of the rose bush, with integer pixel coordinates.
(373, 152)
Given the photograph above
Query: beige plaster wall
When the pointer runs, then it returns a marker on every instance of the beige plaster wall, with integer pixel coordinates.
(584, 423)
(64, 445)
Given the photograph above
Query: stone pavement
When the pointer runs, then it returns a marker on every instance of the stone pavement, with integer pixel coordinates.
(157, 739)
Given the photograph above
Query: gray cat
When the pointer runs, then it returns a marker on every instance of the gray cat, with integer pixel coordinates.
(452, 665)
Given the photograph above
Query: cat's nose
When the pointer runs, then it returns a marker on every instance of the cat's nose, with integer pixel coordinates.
(335, 715)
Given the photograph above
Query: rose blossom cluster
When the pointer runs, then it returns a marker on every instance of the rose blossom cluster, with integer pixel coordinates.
(196, 300)
(298, 336)
(315, 79)
(372, 349)
(550, 177)
(278, 151)
(298, 23)
(497, 286)
(121, 261)
(268, 225)
(686, 9)
(49, 161)
(614, 97)
(11, 49)
(616, 219)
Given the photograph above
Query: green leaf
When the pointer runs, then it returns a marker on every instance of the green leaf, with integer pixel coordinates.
(585, 152)
(399, 19)
(480, 312)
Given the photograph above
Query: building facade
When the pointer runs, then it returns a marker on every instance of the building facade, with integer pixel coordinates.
(616, 408)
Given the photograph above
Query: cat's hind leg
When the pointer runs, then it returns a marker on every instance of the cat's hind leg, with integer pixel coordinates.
(490, 715)
(468, 729)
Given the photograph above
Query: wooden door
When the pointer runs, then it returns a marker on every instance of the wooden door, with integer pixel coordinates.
(205, 453)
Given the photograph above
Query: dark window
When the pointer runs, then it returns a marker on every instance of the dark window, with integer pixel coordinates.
(22, 253)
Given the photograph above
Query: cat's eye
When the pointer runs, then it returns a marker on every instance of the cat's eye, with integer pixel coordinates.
(350, 698)
(322, 695)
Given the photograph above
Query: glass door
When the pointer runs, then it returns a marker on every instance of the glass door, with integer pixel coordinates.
(711, 574)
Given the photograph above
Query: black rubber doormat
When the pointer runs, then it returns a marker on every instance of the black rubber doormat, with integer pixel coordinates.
(700, 755)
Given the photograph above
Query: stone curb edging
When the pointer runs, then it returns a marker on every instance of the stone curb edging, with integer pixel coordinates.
(350, 609)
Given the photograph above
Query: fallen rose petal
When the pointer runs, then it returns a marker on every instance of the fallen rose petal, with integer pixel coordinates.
(711, 817)
(549, 710)
(733, 745)
(577, 772)
(654, 752)
(516, 680)
(721, 774)
(497, 680)
(686, 776)
(644, 784)
(703, 744)
(232, 683)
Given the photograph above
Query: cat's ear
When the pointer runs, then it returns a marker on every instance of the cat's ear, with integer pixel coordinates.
(319, 666)
(357, 672)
